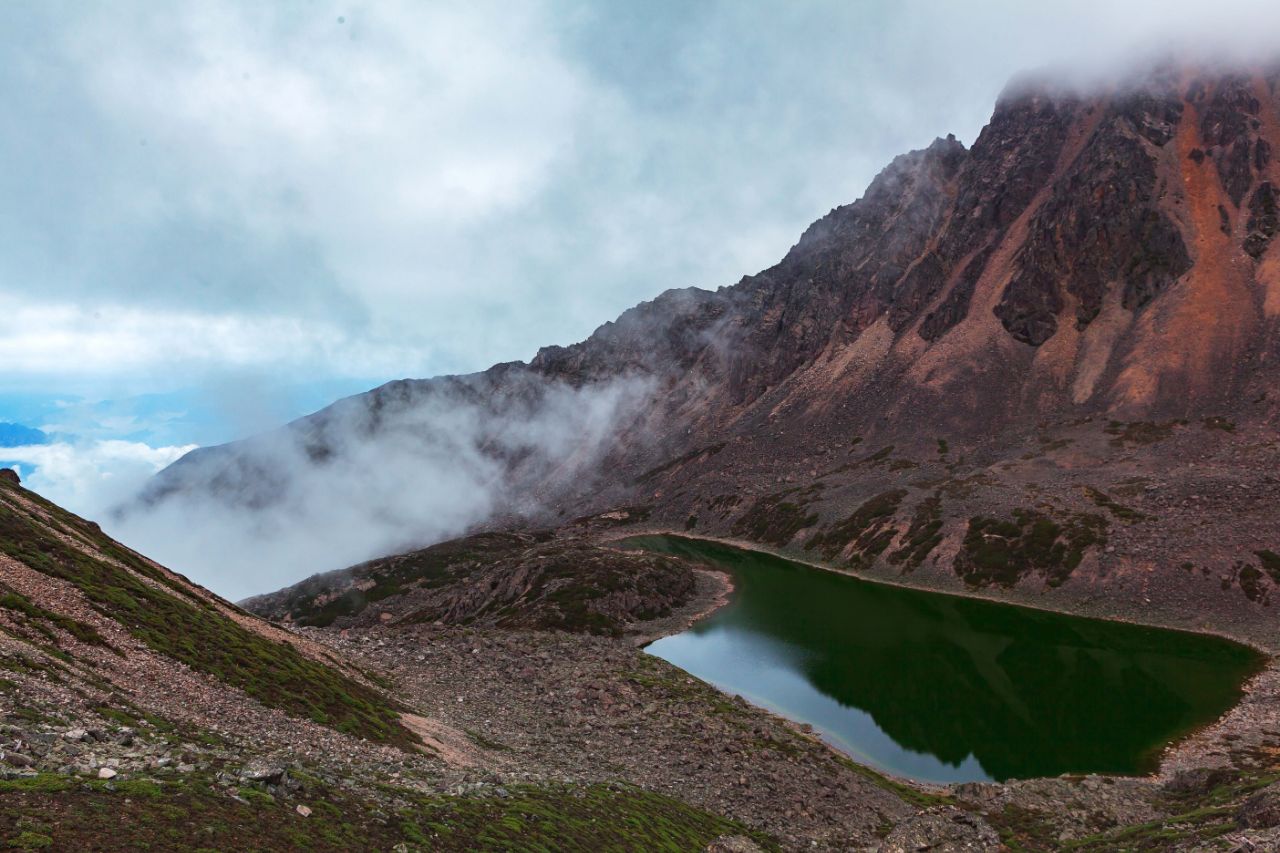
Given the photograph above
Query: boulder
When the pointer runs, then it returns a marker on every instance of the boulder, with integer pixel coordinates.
(17, 759)
(265, 772)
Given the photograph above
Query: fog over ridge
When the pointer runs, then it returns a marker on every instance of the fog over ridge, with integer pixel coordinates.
(402, 467)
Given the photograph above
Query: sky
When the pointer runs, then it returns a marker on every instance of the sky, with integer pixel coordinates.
(216, 216)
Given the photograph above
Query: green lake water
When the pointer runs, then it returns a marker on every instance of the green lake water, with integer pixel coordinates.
(943, 688)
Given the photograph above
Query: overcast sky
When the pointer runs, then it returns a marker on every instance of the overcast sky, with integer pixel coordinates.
(215, 216)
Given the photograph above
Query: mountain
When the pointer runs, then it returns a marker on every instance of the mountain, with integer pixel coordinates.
(1043, 367)
(16, 435)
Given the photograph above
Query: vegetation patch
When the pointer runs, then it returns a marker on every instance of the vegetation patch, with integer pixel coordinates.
(1003, 551)
(510, 580)
(1023, 829)
(1251, 583)
(701, 454)
(1219, 423)
(924, 534)
(776, 519)
(724, 504)
(869, 530)
(43, 620)
(585, 818)
(1141, 432)
(195, 813)
(1270, 563)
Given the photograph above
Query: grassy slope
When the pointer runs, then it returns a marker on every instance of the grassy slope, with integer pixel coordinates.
(55, 812)
(177, 622)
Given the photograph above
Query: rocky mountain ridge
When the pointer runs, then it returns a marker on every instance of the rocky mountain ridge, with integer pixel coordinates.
(1075, 320)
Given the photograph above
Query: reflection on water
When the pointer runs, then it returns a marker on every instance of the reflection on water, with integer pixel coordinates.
(943, 688)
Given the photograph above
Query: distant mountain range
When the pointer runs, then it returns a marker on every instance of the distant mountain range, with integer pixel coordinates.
(17, 435)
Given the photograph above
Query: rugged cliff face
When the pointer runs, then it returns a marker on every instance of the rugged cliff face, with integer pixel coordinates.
(1002, 315)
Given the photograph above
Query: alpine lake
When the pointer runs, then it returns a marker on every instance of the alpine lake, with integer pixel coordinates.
(943, 688)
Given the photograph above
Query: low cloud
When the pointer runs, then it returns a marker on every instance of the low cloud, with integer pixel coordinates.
(90, 476)
(372, 476)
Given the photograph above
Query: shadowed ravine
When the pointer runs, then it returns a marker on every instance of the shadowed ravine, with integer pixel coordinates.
(943, 688)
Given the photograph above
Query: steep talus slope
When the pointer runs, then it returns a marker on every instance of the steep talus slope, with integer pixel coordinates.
(1085, 302)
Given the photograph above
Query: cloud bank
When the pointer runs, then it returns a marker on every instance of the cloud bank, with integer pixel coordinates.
(410, 189)
(92, 476)
(374, 475)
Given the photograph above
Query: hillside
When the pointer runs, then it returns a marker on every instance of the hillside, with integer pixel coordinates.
(138, 711)
(519, 729)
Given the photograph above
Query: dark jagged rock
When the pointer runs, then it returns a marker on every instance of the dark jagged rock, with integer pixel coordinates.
(10, 476)
(1100, 225)
(955, 306)
(1227, 124)
(1264, 220)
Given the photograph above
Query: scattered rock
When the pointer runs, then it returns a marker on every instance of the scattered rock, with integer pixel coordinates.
(1197, 781)
(733, 844)
(303, 810)
(106, 773)
(1262, 810)
(941, 830)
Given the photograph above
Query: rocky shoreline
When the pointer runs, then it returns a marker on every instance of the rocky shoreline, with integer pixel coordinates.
(714, 590)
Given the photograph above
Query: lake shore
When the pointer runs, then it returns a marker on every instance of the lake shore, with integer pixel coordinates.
(1269, 648)
(1254, 713)
(714, 590)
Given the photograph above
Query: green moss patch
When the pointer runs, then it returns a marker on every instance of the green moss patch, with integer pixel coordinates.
(511, 580)
(1141, 432)
(1270, 563)
(195, 813)
(1219, 423)
(924, 534)
(776, 519)
(44, 620)
(701, 454)
(1003, 551)
(1129, 515)
(869, 529)
(570, 818)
